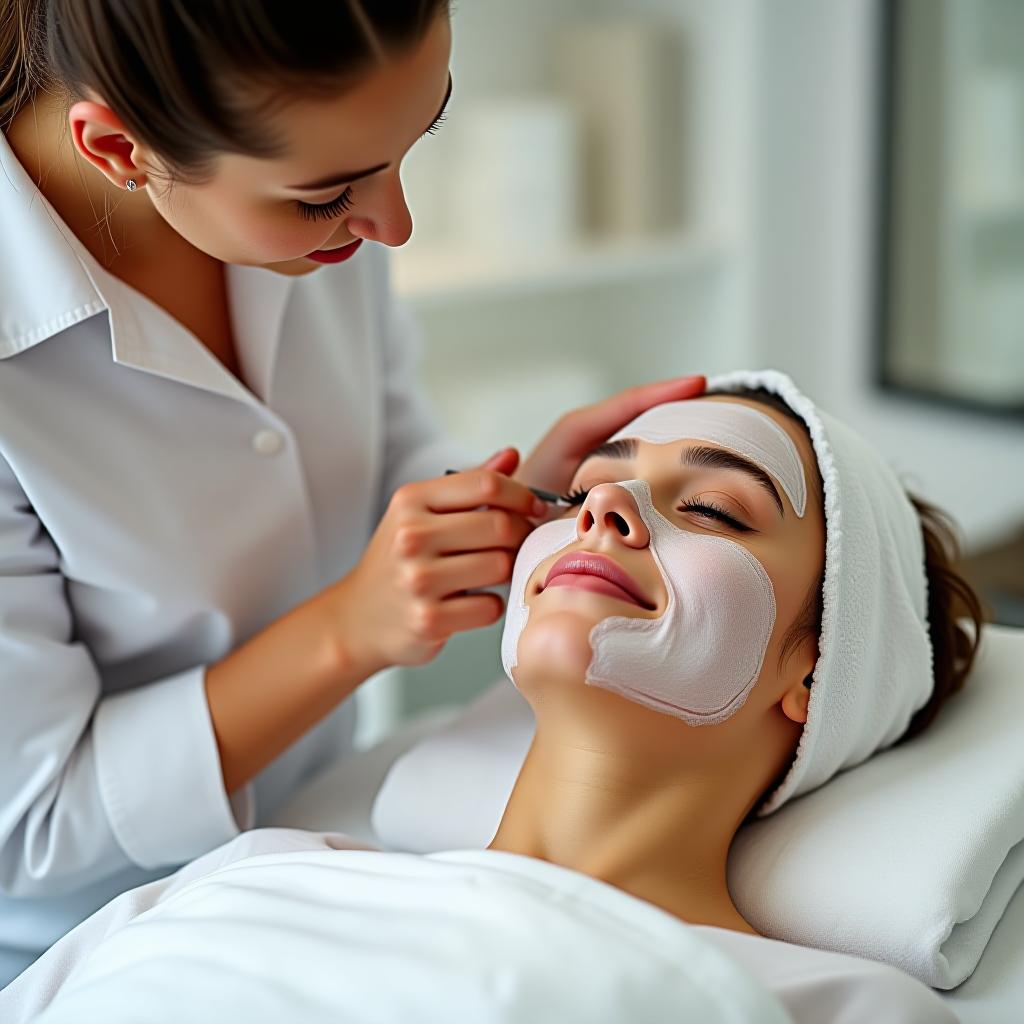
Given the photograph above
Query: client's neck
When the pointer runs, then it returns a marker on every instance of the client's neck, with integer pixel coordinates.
(655, 833)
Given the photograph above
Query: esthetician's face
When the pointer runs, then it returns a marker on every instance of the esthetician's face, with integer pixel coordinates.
(337, 181)
(735, 503)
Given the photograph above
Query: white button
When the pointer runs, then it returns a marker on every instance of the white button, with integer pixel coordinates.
(267, 442)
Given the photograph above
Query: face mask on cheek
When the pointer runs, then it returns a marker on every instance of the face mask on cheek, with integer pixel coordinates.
(701, 657)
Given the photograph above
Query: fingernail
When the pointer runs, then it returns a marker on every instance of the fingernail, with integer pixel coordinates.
(540, 508)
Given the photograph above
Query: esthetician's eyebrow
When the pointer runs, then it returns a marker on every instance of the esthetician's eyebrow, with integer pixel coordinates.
(703, 457)
(348, 177)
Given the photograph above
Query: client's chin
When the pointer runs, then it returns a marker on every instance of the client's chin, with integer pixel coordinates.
(554, 648)
(554, 655)
(554, 652)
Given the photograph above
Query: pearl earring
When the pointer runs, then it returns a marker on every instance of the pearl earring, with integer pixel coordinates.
(131, 185)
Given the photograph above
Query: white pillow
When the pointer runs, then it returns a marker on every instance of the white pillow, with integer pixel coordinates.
(909, 859)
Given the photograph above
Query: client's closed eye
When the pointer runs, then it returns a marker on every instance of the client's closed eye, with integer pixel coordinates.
(705, 508)
(701, 507)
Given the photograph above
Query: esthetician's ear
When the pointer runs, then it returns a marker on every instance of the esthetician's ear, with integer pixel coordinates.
(795, 700)
(106, 142)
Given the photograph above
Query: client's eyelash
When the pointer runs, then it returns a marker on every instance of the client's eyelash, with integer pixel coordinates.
(327, 211)
(576, 497)
(707, 508)
(702, 507)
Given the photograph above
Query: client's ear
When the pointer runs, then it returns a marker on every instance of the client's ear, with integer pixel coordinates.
(795, 700)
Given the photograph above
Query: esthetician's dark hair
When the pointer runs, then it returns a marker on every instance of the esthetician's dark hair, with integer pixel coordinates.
(192, 77)
(955, 612)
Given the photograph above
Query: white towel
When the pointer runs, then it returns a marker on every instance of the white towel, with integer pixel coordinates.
(912, 858)
(874, 666)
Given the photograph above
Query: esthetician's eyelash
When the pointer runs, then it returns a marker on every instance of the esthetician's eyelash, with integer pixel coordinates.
(703, 507)
(434, 128)
(327, 211)
(336, 207)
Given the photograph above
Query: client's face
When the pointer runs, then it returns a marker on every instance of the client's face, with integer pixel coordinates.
(677, 578)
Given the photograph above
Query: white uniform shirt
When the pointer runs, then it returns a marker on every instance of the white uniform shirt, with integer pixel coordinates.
(155, 513)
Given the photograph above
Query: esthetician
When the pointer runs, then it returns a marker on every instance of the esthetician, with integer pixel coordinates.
(209, 425)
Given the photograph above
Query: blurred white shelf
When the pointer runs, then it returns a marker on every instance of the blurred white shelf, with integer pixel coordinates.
(441, 276)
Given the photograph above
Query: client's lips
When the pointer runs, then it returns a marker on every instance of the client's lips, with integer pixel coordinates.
(596, 573)
(335, 255)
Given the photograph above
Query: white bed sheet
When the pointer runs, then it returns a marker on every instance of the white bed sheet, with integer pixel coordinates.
(341, 799)
(281, 925)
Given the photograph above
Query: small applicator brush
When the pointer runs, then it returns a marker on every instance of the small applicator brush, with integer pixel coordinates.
(552, 499)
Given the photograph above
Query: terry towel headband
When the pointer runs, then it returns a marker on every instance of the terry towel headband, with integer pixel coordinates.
(874, 667)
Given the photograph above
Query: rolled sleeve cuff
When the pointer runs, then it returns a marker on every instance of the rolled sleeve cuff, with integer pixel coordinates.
(159, 773)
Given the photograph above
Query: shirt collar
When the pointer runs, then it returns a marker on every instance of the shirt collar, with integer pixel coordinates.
(49, 281)
(44, 286)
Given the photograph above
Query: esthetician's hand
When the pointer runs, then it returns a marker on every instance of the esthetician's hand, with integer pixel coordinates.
(559, 453)
(437, 540)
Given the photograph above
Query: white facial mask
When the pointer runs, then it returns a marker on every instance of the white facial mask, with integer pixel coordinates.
(729, 425)
(701, 657)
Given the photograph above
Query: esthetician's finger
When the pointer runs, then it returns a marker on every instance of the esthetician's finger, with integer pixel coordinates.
(456, 532)
(477, 488)
(472, 611)
(552, 463)
(444, 577)
(505, 461)
(592, 425)
(606, 417)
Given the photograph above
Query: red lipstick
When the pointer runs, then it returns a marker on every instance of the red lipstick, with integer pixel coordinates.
(596, 573)
(335, 255)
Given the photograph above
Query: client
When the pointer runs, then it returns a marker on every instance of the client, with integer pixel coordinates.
(753, 602)
(741, 602)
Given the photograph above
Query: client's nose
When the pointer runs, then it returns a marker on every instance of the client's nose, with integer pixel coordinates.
(611, 508)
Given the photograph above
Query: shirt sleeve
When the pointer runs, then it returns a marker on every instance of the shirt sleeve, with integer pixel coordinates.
(416, 446)
(91, 784)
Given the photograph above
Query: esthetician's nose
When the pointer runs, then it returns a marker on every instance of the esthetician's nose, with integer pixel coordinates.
(611, 512)
(383, 213)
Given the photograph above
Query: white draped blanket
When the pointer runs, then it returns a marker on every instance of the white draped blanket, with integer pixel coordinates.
(324, 933)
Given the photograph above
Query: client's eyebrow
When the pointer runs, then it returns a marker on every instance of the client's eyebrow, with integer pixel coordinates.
(703, 457)
(624, 449)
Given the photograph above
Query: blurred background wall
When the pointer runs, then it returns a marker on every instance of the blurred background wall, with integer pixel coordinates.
(632, 189)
